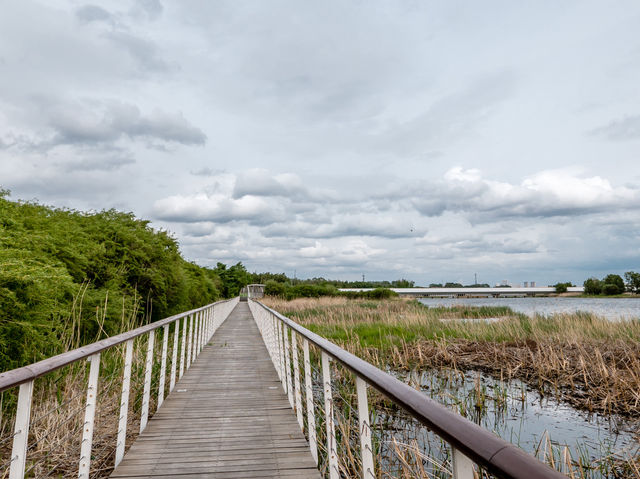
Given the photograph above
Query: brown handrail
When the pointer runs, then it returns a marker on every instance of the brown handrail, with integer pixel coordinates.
(15, 377)
(498, 456)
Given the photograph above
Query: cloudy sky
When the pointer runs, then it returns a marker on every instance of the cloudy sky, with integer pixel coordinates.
(418, 139)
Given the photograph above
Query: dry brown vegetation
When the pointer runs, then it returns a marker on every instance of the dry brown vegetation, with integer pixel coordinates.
(591, 362)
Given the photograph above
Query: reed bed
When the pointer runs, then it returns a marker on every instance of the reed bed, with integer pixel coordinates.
(58, 409)
(588, 361)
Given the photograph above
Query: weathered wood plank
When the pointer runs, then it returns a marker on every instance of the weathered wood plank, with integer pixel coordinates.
(228, 417)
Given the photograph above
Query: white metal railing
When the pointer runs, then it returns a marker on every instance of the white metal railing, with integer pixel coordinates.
(197, 326)
(469, 443)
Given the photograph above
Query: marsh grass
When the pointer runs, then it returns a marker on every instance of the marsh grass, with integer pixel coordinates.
(588, 361)
(58, 409)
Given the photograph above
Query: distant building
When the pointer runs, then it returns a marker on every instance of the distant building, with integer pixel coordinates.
(533, 284)
(526, 284)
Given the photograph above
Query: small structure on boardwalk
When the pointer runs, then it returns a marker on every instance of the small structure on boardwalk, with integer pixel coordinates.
(253, 291)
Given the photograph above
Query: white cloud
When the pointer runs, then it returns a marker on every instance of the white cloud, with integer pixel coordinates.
(430, 137)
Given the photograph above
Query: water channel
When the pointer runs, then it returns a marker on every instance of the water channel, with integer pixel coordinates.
(611, 308)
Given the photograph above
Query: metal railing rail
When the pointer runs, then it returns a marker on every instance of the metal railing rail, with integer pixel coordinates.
(470, 443)
(198, 326)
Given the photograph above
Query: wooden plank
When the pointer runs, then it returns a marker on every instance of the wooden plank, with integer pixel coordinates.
(227, 417)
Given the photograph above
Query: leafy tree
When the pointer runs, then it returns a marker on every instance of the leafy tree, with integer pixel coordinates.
(275, 288)
(435, 285)
(632, 281)
(610, 289)
(68, 278)
(453, 285)
(562, 287)
(592, 286)
(615, 280)
(402, 283)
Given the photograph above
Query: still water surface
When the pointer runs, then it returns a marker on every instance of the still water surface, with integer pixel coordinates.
(541, 425)
(611, 308)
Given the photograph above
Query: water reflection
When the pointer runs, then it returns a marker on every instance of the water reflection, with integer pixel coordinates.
(611, 308)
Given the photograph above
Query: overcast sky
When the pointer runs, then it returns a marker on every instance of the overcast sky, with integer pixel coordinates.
(417, 139)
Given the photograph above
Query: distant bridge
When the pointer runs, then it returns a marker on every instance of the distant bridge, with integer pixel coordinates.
(504, 292)
(230, 390)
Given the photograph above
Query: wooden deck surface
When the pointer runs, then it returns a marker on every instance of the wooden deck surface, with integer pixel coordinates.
(228, 417)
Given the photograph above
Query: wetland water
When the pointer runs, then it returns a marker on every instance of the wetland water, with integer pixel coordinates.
(611, 308)
(539, 424)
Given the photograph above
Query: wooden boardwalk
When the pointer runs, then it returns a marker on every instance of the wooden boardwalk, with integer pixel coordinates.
(228, 417)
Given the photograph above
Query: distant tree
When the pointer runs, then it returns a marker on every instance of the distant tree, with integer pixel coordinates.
(592, 286)
(435, 285)
(402, 283)
(633, 281)
(275, 288)
(562, 287)
(615, 280)
(453, 285)
(610, 289)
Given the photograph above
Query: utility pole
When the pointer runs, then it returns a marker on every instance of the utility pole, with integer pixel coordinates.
(475, 275)
(363, 277)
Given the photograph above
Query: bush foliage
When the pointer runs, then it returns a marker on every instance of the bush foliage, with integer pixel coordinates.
(68, 278)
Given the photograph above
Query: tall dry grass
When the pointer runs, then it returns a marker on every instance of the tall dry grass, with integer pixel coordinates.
(589, 361)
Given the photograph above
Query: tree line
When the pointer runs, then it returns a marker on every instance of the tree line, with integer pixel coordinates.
(68, 278)
(613, 284)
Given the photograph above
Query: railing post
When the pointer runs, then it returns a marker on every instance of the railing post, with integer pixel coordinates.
(462, 465)
(147, 383)
(174, 354)
(287, 360)
(196, 336)
(189, 340)
(311, 415)
(183, 348)
(89, 415)
(280, 367)
(332, 449)
(124, 402)
(296, 379)
(163, 365)
(21, 431)
(366, 453)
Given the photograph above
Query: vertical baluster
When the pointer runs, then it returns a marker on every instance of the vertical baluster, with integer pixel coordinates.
(296, 379)
(189, 341)
(89, 415)
(311, 415)
(287, 358)
(366, 452)
(208, 328)
(332, 449)
(196, 333)
(163, 365)
(124, 402)
(147, 382)
(183, 348)
(279, 368)
(21, 431)
(462, 465)
(203, 329)
(174, 354)
(281, 356)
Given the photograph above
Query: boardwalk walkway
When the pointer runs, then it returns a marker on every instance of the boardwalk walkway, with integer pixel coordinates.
(228, 417)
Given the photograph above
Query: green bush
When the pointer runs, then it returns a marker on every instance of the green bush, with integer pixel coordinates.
(68, 278)
(592, 286)
(610, 289)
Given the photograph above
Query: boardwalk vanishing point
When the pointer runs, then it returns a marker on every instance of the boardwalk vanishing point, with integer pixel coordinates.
(228, 417)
